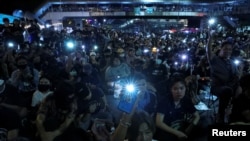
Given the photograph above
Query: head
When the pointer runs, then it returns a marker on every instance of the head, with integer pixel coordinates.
(6, 21)
(140, 81)
(245, 79)
(92, 55)
(16, 22)
(177, 87)
(131, 52)
(44, 84)
(120, 51)
(226, 50)
(21, 62)
(83, 92)
(142, 127)
(116, 61)
(64, 95)
(107, 53)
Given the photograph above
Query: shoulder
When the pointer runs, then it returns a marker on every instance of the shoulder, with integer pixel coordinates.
(165, 101)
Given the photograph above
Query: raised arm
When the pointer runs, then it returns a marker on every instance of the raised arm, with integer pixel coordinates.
(210, 41)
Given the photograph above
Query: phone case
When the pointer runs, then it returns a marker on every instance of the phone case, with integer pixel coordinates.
(126, 103)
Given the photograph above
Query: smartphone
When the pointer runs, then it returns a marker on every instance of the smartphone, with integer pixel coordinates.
(127, 102)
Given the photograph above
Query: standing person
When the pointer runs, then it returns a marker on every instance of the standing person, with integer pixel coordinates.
(224, 74)
(176, 116)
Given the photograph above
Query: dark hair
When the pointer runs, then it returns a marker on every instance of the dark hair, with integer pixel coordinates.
(6, 20)
(113, 58)
(177, 77)
(62, 92)
(82, 91)
(21, 57)
(226, 43)
(244, 80)
(138, 118)
(138, 76)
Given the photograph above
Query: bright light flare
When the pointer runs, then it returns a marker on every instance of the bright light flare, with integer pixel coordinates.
(236, 62)
(130, 88)
(211, 21)
(10, 44)
(70, 45)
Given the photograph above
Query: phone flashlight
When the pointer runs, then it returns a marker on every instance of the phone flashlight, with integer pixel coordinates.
(10, 44)
(236, 62)
(184, 57)
(130, 88)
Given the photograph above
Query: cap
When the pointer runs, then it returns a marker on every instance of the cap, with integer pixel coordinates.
(120, 50)
(92, 54)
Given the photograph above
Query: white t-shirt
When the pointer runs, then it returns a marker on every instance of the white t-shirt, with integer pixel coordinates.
(38, 97)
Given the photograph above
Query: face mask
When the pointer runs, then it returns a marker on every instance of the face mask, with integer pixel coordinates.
(73, 73)
(122, 55)
(43, 87)
(22, 67)
(158, 61)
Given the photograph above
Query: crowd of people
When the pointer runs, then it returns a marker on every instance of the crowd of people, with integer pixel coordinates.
(103, 84)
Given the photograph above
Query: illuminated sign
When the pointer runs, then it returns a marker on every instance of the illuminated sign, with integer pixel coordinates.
(11, 18)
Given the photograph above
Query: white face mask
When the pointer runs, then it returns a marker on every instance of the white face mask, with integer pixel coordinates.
(122, 55)
(158, 61)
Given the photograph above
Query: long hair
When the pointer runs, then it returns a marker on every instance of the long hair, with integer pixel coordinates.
(138, 118)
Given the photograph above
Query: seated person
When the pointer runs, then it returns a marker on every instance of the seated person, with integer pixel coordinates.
(137, 126)
(9, 119)
(90, 102)
(12, 99)
(176, 115)
(148, 98)
(241, 105)
(115, 72)
(56, 113)
(42, 92)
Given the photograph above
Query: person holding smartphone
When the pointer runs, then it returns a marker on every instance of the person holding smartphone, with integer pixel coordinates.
(147, 97)
(137, 125)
